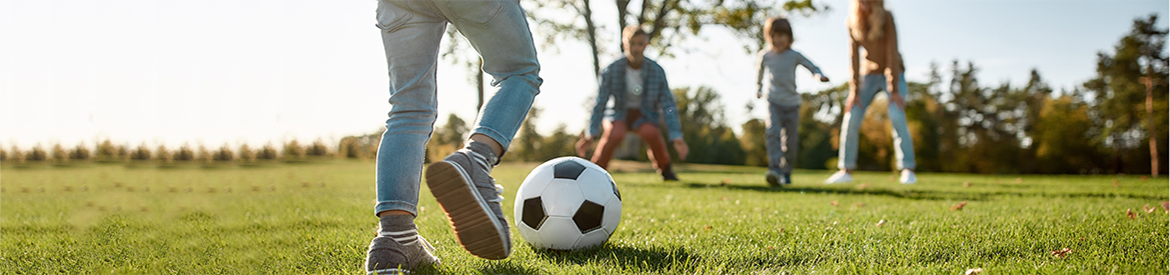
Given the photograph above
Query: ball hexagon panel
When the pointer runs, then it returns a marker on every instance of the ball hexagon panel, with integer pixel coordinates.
(595, 185)
(559, 233)
(588, 216)
(567, 169)
(533, 213)
(613, 215)
(562, 197)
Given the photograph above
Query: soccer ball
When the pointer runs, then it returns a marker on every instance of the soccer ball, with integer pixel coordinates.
(567, 203)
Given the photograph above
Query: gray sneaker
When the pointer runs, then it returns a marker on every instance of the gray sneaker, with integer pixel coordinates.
(387, 256)
(463, 185)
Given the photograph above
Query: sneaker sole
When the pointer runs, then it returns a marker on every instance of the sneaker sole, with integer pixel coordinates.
(773, 181)
(388, 271)
(475, 226)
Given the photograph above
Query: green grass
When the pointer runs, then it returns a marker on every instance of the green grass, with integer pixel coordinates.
(317, 218)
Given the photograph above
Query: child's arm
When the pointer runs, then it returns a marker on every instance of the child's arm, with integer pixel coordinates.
(854, 77)
(760, 74)
(893, 63)
(803, 61)
(602, 99)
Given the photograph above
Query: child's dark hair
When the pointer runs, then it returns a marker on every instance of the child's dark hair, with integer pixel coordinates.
(777, 25)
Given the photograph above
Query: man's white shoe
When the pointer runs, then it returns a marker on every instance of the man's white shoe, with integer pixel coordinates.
(908, 177)
(840, 177)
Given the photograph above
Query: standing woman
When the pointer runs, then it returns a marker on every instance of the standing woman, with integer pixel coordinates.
(871, 27)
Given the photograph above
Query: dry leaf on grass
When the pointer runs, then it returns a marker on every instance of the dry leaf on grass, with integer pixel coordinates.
(1148, 209)
(1166, 206)
(880, 223)
(833, 203)
(1129, 213)
(966, 184)
(1116, 183)
(973, 271)
(1061, 253)
(862, 186)
(959, 206)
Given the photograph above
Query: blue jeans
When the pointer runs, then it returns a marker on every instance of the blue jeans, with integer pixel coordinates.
(783, 142)
(411, 31)
(903, 143)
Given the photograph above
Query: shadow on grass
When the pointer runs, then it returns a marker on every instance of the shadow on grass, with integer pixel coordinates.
(653, 259)
(919, 194)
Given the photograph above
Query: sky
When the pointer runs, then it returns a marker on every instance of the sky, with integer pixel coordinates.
(231, 72)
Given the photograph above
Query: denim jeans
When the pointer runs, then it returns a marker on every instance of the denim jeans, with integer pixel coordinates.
(782, 140)
(903, 143)
(411, 31)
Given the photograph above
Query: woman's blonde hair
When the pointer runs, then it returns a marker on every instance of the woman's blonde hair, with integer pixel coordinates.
(869, 26)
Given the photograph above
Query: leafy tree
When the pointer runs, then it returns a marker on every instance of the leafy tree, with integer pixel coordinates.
(16, 155)
(224, 154)
(317, 149)
(36, 154)
(1123, 101)
(754, 142)
(142, 153)
(184, 154)
(559, 143)
(79, 153)
(246, 153)
(267, 152)
(203, 155)
(293, 150)
(445, 140)
(58, 153)
(162, 155)
(106, 151)
(454, 132)
(526, 146)
(705, 129)
(820, 126)
(1062, 138)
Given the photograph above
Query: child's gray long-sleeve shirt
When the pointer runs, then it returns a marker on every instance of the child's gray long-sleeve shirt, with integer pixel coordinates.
(782, 75)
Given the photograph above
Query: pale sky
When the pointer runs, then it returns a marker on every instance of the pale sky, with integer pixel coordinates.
(220, 72)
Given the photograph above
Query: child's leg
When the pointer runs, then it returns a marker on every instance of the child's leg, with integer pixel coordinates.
(462, 182)
(411, 41)
(659, 157)
(411, 54)
(611, 137)
(790, 120)
(772, 138)
(847, 149)
(499, 31)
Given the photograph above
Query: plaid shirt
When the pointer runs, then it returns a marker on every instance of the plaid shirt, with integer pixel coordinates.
(656, 96)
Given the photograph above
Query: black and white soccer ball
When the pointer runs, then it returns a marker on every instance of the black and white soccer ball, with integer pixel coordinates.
(567, 203)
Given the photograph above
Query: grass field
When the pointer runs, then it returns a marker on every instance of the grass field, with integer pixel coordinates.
(317, 218)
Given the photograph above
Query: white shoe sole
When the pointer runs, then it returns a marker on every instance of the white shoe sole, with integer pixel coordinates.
(475, 225)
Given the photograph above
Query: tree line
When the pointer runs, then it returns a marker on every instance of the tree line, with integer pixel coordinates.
(107, 151)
